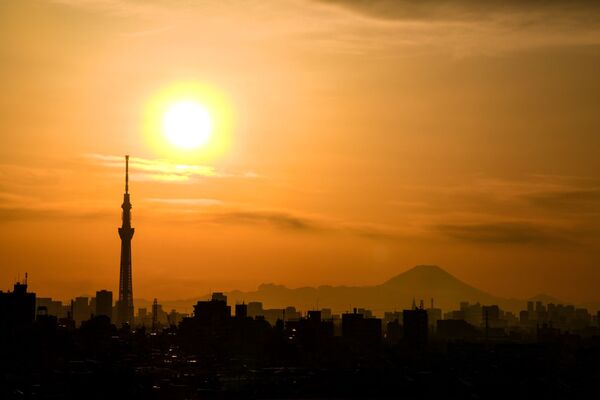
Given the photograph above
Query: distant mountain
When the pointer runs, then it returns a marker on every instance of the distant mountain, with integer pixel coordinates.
(423, 282)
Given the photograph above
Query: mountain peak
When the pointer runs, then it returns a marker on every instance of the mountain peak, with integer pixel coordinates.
(422, 272)
(429, 268)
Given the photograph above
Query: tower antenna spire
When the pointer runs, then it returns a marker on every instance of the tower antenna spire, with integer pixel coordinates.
(126, 174)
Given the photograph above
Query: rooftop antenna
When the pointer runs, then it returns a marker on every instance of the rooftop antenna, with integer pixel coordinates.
(25, 278)
(421, 304)
(126, 174)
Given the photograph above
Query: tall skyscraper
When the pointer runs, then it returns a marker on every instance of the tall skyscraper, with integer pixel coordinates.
(125, 302)
(104, 299)
(416, 328)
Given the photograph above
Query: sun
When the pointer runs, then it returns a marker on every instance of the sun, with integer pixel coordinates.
(187, 124)
(188, 121)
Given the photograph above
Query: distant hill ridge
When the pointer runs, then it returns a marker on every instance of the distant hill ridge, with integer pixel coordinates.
(422, 282)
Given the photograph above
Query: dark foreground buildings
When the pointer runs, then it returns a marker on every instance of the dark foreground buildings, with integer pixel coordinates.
(216, 354)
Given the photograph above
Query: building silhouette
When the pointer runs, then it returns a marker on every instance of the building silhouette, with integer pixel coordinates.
(154, 315)
(104, 299)
(393, 331)
(241, 311)
(359, 330)
(17, 309)
(125, 302)
(219, 296)
(416, 327)
(255, 309)
(310, 333)
(81, 310)
(214, 310)
(433, 315)
(455, 329)
(53, 307)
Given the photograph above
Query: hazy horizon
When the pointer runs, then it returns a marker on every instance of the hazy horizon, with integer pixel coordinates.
(264, 292)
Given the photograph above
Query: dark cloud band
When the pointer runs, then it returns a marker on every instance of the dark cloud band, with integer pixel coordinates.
(468, 9)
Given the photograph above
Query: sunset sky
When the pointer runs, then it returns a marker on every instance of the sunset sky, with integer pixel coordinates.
(353, 140)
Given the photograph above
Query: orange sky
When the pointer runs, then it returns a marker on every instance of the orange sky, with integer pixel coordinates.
(364, 139)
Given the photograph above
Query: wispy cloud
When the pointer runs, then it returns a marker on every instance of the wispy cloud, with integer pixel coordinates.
(293, 222)
(279, 220)
(163, 170)
(465, 10)
(568, 199)
(535, 210)
(219, 212)
(115, 7)
(186, 202)
(378, 27)
(567, 196)
(504, 233)
(43, 212)
(471, 26)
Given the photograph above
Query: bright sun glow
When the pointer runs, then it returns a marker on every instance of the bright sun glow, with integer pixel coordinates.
(187, 124)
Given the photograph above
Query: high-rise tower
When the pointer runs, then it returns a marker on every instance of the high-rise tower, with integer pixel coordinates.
(125, 302)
